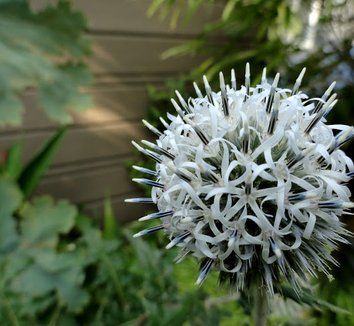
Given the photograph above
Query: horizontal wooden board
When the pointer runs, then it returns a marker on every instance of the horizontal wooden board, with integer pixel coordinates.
(89, 186)
(112, 103)
(82, 143)
(131, 16)
(83, 185)
(138, 54)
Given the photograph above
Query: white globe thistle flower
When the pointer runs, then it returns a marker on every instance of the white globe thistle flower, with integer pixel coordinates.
(251, 181)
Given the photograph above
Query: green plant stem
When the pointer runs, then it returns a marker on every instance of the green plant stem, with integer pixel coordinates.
(260, 306)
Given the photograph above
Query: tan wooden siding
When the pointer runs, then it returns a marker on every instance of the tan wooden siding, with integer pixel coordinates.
(137, 54)
(91, 162)
(129, 17)
(113, 101)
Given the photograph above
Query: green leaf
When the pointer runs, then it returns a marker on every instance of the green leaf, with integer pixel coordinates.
(36, 281)
(229, 7)
(8, 235)
(305, 297)
(183, 49)
(38, 166)
(44, 50)
(41, 272)
(110, 227)
(155, 5)
(43, 221)
(10, 109)
(51, 96)
(13, 164)
(10, 197)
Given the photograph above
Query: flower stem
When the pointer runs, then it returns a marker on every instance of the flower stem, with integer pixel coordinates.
(260, 306)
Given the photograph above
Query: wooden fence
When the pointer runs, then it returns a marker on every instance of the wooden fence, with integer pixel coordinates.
(90, 163)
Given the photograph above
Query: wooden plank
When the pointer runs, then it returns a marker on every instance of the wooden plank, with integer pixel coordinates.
(138, 54)
(83, 185)
(82, 143)
(112, 103)
(131, 16)
(89, 187)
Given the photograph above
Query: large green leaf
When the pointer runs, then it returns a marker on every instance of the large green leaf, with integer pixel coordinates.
(10, 198)
(43, 221)
(38, 166)
(36, 281)
(44, 267)
(44, 50)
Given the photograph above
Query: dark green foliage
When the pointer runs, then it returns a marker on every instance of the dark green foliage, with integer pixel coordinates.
(265, 33)
(56, 268)
(42, 50)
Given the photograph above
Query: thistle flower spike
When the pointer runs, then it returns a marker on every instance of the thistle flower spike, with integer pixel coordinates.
(151, 128)
(328, 91)
(144, 170)
(165, 124)
(324, 97)
(208, 90)
(272, 92)
(248, 78)
(197, 90)
(148, 182)
(139, 200)
(224, 99)
(177, 108)
(298, 81)
(229, 176)
(183, 102)
(158, 149)
(204, 271)
(264, 76)
(147, 152)
(148, 231)
(342, 138)
(154, 216)
(178, 239)
(319, 114)
(274, 114)
(233, 80)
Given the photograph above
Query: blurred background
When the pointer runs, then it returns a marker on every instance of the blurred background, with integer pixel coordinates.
(76, 78)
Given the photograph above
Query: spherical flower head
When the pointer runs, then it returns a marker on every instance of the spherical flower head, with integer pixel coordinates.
(251, 181)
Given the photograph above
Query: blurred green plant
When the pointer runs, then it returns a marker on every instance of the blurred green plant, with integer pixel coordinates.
(276, 34)
(44, 50)
(57, 267)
